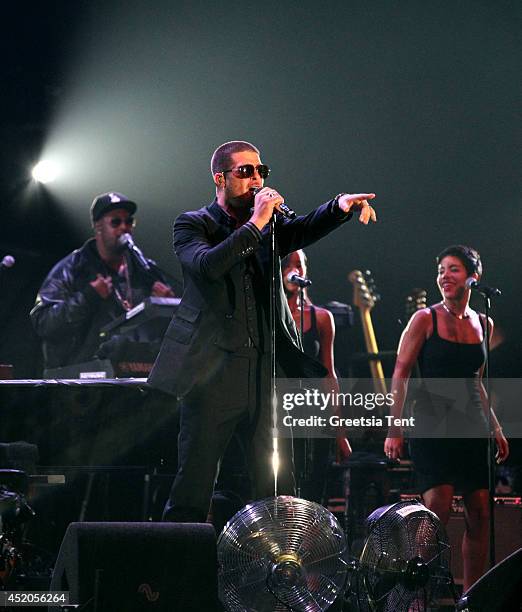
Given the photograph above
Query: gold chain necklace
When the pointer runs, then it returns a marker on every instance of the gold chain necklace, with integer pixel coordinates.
(125, 301)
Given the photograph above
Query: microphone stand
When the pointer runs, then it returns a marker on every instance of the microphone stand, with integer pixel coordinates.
(304, 473)
(273, 364)
(491, 439)
(488, 293)
(148, 267)
(301, 306)
(274, 272)
(308, 442)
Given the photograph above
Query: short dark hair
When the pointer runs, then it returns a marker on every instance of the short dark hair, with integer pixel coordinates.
(221, 158)
(469, 257)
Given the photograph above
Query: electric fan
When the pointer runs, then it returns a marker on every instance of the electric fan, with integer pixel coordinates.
(405, 560)
(279, 554)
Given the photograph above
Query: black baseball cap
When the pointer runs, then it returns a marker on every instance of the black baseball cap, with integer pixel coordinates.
(105, 202)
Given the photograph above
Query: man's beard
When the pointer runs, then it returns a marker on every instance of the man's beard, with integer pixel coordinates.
(242, 201)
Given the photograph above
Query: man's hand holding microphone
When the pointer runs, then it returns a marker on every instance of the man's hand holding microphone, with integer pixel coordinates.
(267, 199)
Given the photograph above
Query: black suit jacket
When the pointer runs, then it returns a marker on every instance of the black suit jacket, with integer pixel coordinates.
(206, 325)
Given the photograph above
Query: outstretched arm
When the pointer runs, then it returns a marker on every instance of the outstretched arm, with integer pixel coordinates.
(307, 229)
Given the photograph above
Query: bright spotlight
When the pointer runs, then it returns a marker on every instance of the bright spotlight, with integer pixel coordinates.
(45, 171)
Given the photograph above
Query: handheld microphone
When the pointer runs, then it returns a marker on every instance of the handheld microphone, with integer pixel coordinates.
(489, 292)
(7, 262)
(300, 281)
(285, 210)
(126, 240)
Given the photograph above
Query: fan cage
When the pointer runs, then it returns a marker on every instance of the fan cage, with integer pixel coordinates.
(405, 560)
(281, 553)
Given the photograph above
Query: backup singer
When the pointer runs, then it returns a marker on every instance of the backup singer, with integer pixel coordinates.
(448, 341)
(318, 324)
(216, 352)
(318, 342)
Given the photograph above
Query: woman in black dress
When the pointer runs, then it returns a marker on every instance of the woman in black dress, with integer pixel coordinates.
(318, 324)
(318, 342)
(447, 340)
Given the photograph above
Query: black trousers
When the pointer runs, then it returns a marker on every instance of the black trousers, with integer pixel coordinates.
(235, 400)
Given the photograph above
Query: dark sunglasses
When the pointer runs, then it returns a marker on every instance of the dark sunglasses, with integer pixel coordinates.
(117, 221)
(248, 170)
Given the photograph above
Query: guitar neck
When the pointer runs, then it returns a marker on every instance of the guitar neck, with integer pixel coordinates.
(372, 349)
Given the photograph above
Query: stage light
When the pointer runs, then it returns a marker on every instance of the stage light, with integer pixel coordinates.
(45, 171)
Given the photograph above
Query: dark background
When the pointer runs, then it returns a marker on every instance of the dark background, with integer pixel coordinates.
(418, 102)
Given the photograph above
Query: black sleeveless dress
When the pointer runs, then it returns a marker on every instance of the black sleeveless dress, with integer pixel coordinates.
(311, 342)
(314, 486)
(461, 462)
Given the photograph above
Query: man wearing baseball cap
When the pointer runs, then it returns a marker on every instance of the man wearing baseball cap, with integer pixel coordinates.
(107, 202)
(94, 285)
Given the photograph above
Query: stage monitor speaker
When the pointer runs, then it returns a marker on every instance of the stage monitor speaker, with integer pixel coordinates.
(138, 567)
(508, 534)
(499, 590)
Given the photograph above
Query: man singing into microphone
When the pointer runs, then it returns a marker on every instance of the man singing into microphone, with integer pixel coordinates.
(94, 285)
(216, 352)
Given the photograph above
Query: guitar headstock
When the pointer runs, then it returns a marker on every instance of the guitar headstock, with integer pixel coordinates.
(415, 300)
(364, 289)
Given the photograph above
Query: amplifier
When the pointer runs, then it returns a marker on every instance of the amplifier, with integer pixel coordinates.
(508, 530)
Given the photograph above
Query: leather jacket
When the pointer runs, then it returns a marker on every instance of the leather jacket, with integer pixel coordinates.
(69, 313)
